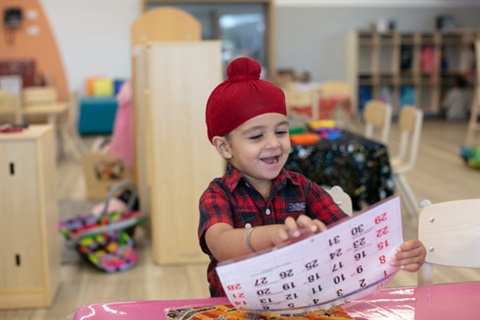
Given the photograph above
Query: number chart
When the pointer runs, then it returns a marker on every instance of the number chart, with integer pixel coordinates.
(341, 264)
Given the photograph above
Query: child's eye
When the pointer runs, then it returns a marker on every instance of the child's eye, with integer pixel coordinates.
(282, 132)
(258, 136)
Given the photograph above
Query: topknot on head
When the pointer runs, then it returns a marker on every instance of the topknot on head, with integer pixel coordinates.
(243, 69)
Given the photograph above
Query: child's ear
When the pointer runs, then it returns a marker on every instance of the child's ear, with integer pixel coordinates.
(222, 146)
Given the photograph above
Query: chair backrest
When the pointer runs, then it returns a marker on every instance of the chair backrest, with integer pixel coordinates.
(474, 122)
(377, 116)
(300, 101)
(342, 199)
(10, 105)
(165, 24)
(477, 54)
(342, 92)
(73, 107)
(336, 88)
(450, 231)
(410, 124)
(39, 95)
(7, 102)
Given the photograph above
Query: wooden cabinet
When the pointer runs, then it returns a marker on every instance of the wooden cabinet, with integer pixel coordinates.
(408, 68)
(29, 239)
(175, 161)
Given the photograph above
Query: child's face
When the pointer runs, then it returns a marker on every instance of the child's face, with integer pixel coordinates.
(260, 147)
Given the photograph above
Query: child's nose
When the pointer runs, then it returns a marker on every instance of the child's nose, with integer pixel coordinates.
(273, 142)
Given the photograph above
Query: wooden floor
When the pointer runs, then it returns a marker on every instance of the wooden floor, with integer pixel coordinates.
(439, 175)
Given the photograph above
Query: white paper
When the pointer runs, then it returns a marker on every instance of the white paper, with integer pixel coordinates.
(345, 262)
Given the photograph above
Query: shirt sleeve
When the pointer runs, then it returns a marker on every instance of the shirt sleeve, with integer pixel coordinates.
(214, 208)
(320, 204)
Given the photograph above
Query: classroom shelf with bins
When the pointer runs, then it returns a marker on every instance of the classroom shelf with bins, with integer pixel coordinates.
(408, 67)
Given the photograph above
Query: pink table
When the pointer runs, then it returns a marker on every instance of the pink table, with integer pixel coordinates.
(442, 301)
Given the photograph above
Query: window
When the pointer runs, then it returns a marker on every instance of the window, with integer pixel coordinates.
(242, 27)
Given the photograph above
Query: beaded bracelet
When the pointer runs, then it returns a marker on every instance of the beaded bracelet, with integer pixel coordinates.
(249, 244)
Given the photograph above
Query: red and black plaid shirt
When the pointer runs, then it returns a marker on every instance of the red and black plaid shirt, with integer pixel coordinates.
(230, 199)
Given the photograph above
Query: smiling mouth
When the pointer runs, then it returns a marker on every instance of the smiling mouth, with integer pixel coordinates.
(270, 160)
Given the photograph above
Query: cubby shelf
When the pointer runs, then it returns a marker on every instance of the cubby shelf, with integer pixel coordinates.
(408, 67)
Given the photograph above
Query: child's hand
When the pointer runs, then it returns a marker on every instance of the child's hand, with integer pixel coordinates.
(292, 229)
(410, 256)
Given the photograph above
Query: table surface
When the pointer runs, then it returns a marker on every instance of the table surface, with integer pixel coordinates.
(47, 108)
(44, 108)
(51, 110)
(440, 301)
(359, 165)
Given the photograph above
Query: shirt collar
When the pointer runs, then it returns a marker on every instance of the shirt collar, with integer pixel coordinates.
(233, 177)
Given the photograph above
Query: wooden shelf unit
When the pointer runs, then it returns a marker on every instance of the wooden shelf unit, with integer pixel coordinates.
(174, 161)
(178, 162)
(387, 62)
(29, 238)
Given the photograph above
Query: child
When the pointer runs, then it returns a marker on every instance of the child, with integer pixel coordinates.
(257, 204)
(457, 101)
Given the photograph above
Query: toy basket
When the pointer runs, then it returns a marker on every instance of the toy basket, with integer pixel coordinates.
(105, 240)
(108, 251)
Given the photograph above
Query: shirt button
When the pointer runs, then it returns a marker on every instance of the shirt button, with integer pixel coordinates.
(267, 211)
(248, 226)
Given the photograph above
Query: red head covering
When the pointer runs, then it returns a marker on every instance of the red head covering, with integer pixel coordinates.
(241, 97)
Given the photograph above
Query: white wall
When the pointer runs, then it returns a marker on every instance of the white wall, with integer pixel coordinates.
(314, 39)
(375, 3)
(93, 37)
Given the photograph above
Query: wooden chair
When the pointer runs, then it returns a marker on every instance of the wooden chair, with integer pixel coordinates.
(474, 124)
(377, 117)
(300, 102)
(336, 88)
(410, 123)
(33, 96)
(450, 232)
(39, 95)
(68, 128)
(473, 128)
(10, 105)
(342, 199)
(342, 91)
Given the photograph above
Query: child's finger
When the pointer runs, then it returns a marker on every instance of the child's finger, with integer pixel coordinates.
(409, 245)
(320, 225)
(400, 255)
(292, 227)
(404, 261)
(412, 267)
(281, 236)
(410, 260)
(305, 222)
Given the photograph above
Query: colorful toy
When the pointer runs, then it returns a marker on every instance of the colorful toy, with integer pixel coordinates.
(105, 240)
(306, 138)
(471, 155)
(228, 312)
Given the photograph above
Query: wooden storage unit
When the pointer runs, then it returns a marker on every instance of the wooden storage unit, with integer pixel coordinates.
(173, 151)
(387, 63)
(29, 239)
